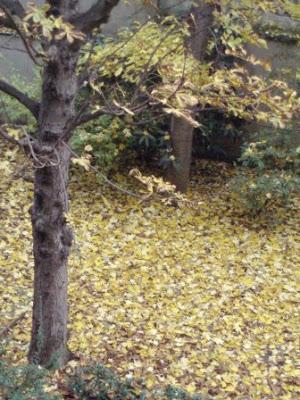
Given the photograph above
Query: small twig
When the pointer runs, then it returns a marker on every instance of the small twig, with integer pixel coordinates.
(145, 71)
(13, 323)
(30, 50)
(181, 80)
(10, 138)
(104, 177)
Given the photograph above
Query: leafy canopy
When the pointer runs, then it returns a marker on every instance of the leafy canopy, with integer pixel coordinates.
(152, 61)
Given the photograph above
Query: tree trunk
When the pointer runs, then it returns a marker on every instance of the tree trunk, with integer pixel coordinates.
(181, 130)
(181, 140)
(52, 237)
(201, 23)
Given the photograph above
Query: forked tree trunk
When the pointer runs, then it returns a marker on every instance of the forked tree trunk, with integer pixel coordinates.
(51, 234)
(181, 130)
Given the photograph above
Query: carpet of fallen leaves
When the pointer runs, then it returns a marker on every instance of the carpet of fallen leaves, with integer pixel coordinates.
(204, 298)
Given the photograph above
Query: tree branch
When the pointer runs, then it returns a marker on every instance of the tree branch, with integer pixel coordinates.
(14, 7)
(13, 323)
(273, 25)
(32, 105)
(97, 15)
(12, 24)
(5, 22)
(9, 139)
(84, 118)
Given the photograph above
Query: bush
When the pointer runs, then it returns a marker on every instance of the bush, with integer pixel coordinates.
(220, 137)
(275, 164)
(30, 382)
(111, 141)
(23, 383)
(263, 191)
(100, 383)
(273, 151)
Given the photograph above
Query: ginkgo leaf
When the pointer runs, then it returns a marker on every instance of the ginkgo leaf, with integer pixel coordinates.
(198, 297)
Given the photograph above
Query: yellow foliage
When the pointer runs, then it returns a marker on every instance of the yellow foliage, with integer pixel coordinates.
(197, 297)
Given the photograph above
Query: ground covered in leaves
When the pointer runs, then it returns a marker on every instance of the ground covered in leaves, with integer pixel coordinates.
(200, 297)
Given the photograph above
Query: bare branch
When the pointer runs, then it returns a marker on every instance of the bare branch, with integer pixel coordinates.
(32, 105)
(14, 7)
(6, 22)
(95, 114)
(11, 9)
(13, 323)
(97, 15)
(104, 177)
(14, 25)
(41, 156)
(9, 139)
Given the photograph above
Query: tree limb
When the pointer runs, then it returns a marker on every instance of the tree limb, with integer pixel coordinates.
(97, 15)
(12, 24)
(32, 105)
(273, 25)
(9, 139)
(5, 22)
(14, 7)
(13, 323)
(84, 118)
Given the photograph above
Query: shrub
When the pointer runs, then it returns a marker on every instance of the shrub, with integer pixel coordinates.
(220, 137)
(23, 383)
(112, 141)
(100, 383)
(275, 164)
(96, 382)
(273, 151)
(261, 192)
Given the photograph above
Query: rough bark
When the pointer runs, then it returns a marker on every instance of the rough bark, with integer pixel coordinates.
(202, 19)
(181, 130)
(52, 237)
(182, 140)
(98, 14)
(52, 241)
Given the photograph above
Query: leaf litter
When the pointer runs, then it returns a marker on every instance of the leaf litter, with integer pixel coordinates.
(204, 298)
